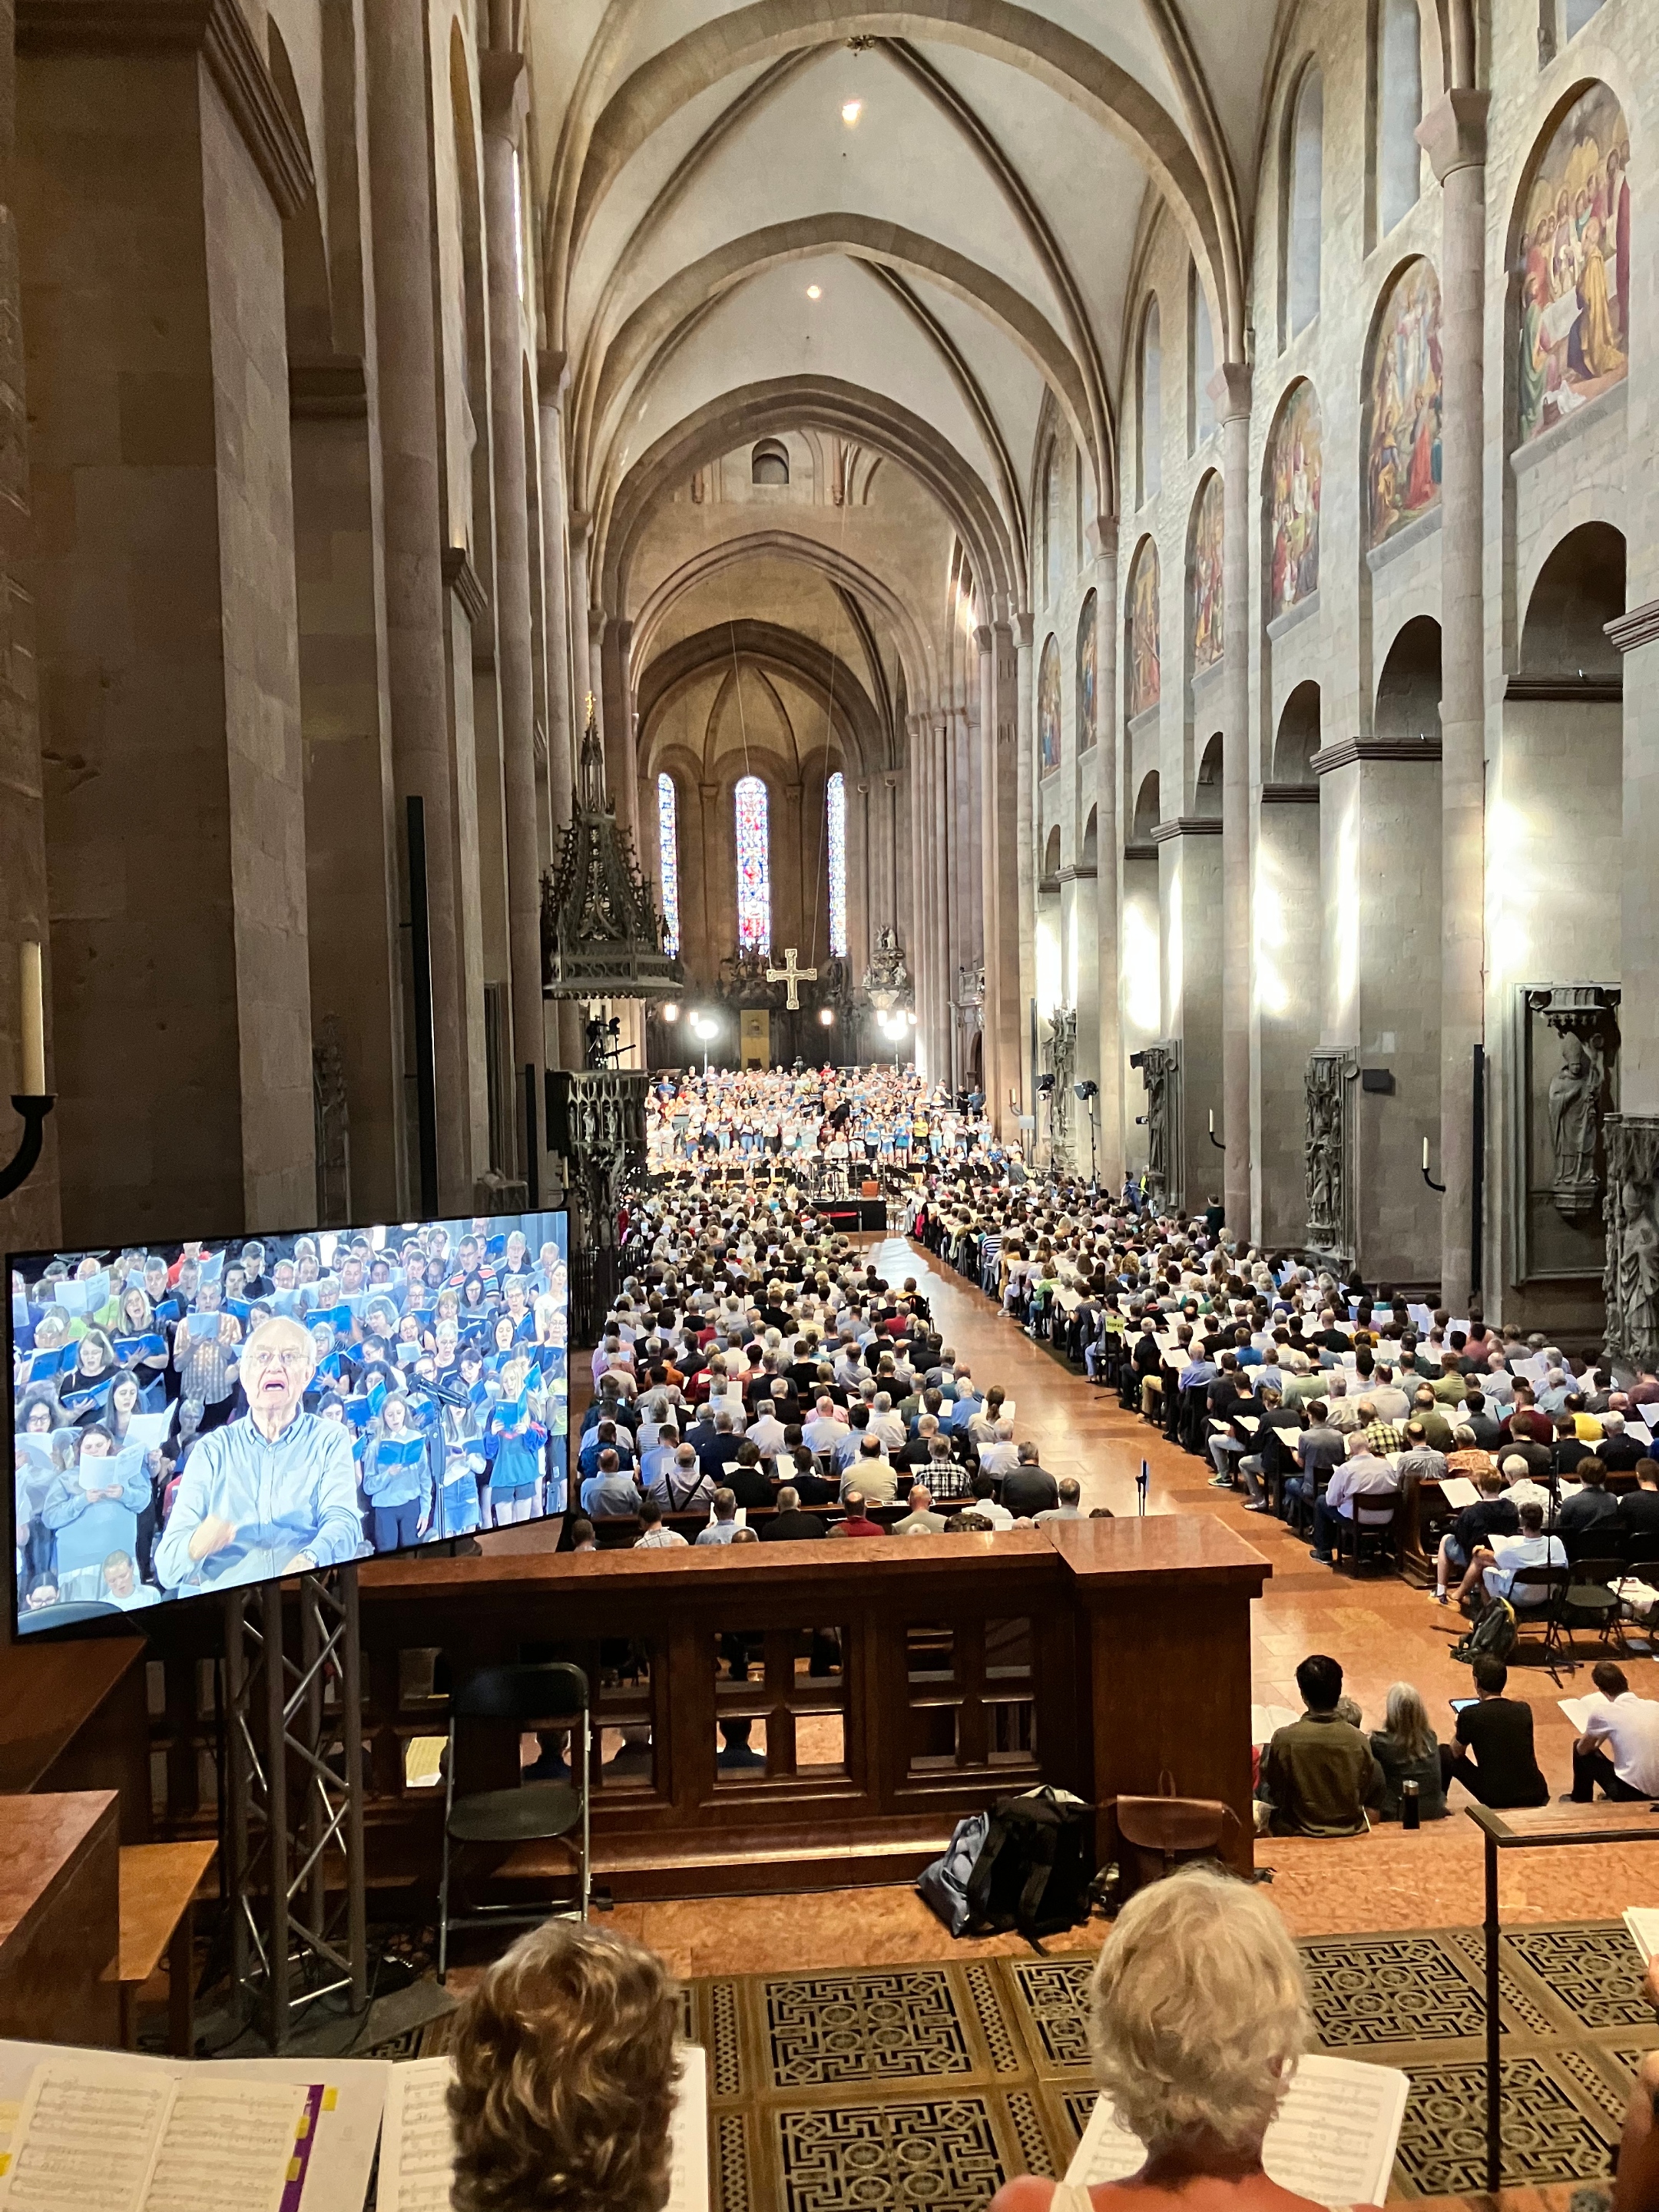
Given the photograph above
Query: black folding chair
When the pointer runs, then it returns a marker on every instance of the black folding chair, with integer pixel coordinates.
(1538, 1599)
(1593, 1601)
(518, 1698)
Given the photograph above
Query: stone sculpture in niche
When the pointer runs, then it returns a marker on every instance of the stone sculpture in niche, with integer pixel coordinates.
(1062, 1063)
(1630, 1280)
(1325, 1150)
(1584, 1018)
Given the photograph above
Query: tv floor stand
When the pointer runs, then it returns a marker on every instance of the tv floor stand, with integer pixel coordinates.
(294, 1824)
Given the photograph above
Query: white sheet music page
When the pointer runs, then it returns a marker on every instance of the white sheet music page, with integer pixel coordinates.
(1643, 1922)
(687, 2134)
(418, 2144)
(1333, 2141)
(227, 2145)
(348, 2122)
(86, 2138)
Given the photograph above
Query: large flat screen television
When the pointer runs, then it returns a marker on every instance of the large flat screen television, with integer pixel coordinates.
(188, 1418)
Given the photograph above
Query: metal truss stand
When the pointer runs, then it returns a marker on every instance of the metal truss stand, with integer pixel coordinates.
(295, 1817)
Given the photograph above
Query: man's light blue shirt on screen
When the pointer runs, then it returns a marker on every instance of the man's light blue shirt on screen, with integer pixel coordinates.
(299, 1494)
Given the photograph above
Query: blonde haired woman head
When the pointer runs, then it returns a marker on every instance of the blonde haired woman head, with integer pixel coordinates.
(1198, 2013)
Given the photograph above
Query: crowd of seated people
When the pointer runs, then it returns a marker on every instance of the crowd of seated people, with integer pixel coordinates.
(416, 1379)
(754, 1365)
(1325, 1775)
(1317, 1402)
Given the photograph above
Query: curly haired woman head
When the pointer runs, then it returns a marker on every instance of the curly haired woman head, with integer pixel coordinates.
(564, 2077)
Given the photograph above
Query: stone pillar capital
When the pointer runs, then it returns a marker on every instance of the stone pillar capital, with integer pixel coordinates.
(1102, 536)
(552, 378)
(1453, 134)
(504, 94)
(983, 637)
(1229, 389)
(1024, 630)
(581, 526)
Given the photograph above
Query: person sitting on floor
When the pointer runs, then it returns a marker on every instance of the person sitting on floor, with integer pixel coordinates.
(1504, 1770)
(1619, 1751)
(563, 2093)
(1319, 1775)
(1406, 1752)
(1198, 2012)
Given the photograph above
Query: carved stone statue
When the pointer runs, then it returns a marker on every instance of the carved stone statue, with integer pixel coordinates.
(1584, 1018)
(1160, 1072)
(1631, 1279)
(1061, 1054)
(1575, 1102)
(1325, 1149)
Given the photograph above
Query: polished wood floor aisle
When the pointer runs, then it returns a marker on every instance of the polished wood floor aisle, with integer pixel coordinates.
(1380, 1630)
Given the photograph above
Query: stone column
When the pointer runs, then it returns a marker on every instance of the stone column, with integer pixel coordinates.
(581, 662)
(417, 601)
(504, 101)
(1236, 782)
(29, 1219)
(1109, 778)
(995, 1082)
(1455, 134)
(1025, 866)
(155, 164)
(888, 848)
(563, 1018)
(1003, 930)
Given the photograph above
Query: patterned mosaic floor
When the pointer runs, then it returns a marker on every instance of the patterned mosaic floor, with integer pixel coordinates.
(926, 2087)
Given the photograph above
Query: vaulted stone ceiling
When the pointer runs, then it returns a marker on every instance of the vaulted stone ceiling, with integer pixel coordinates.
(911, 226)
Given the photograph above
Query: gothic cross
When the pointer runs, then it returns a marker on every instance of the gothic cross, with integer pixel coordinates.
(791, 975)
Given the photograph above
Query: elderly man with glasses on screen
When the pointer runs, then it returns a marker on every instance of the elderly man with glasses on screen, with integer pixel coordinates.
(274, 1493)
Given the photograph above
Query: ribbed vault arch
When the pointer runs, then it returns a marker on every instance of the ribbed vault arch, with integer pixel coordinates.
(848, 708)
(786, 403)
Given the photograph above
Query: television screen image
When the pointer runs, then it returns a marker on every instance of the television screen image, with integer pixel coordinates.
(190, 1416)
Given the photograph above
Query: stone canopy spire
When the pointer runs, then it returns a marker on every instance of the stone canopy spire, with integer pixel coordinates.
(602, 937)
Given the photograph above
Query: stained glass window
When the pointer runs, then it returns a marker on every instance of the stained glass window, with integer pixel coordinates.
(834, 809)
(754, 867)
(668, 850)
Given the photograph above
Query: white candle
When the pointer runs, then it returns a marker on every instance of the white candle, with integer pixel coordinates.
(35, 1024)
(1212, 1121)
(1425, 1156)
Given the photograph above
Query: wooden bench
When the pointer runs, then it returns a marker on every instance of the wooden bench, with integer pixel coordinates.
(159, 1882)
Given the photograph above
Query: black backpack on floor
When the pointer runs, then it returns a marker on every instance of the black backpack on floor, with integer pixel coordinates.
(1036, 1864)
(1492, 1637)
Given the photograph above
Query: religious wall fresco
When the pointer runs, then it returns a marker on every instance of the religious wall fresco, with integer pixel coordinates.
(1402, 466)
(1295, 460)
(1204, 576)
(1048, 706)
(1575, 267)
(1088, 721)
(1145, 676)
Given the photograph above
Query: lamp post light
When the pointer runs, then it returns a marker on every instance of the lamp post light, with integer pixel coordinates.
(704, 1026)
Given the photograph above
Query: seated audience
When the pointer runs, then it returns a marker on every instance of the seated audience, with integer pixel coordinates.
(1319, 1775)
(1407, 1751)
(1493, 1756)
(1617, 1753)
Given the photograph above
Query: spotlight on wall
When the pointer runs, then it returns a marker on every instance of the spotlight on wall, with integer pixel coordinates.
(850, 111)
(815, 291)
(704, 1025)
(1045, 1085)
(827, 1015)
(1085, 1091)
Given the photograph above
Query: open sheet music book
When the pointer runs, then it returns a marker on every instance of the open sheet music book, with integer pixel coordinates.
(109, 2132)
(1457, 1490)
(1579, 1710)
(417, 2150)
(1333, 2141)
(1643, 1922)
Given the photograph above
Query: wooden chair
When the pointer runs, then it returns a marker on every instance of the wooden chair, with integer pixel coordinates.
(1374, 1529)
